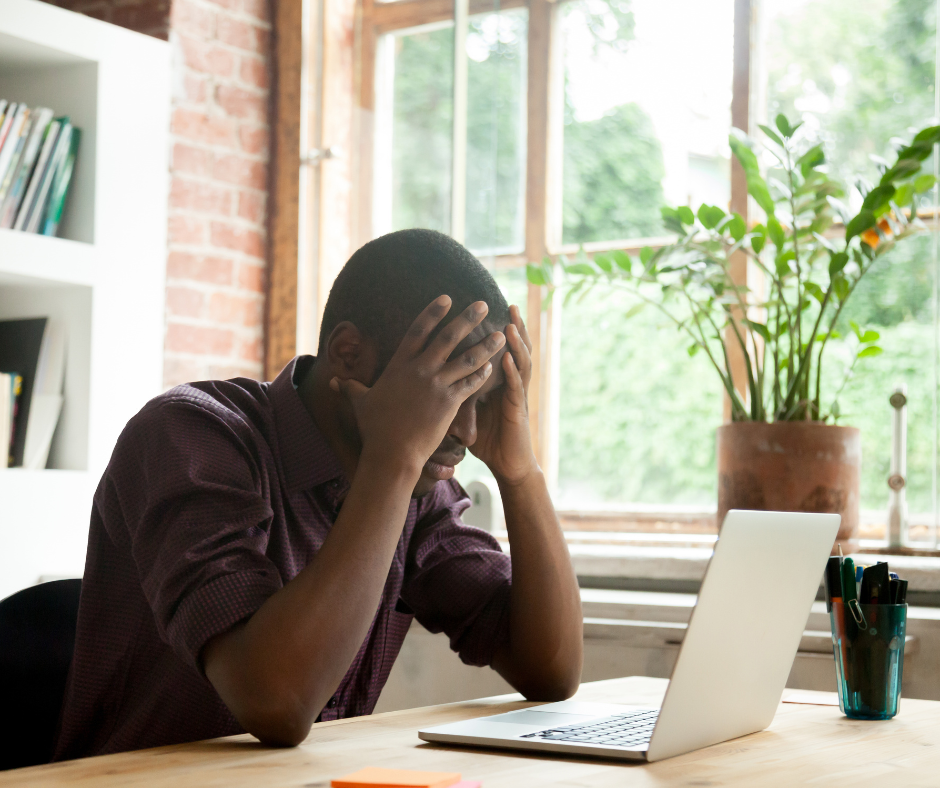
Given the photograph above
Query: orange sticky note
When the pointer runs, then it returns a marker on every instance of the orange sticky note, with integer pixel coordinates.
(375, 777)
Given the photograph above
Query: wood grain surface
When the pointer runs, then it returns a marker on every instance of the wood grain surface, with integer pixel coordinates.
(805, 745)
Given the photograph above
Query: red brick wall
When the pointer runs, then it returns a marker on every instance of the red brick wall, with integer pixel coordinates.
(219, 177)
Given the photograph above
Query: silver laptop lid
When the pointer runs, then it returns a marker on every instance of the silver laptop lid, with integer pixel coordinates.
(745, 629)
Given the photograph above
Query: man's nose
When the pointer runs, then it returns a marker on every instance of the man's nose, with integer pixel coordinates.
(464, 426)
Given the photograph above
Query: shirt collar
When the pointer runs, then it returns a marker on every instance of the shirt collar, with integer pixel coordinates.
(306, 456)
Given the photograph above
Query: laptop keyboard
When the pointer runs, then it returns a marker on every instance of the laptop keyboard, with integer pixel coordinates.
(622, 730)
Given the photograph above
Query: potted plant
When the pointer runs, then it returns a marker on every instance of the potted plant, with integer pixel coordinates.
(783, 449)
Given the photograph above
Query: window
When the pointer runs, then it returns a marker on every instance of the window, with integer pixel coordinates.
(570, 124)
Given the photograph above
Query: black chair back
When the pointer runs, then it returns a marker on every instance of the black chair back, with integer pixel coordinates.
(37, 637)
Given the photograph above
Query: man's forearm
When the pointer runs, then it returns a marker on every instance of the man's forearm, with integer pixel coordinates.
(278, 670)
(544, 656)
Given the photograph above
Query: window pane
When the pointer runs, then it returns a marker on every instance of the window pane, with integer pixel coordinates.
(419, 75)
(858, 73)
(637, 414)
(496, 129)
(647, 112)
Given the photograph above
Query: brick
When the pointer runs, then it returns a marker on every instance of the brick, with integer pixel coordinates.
(239, 239)
(200, 268)
(195, 87)
(251, 206)
(202, 127)
(240, 171)
(229, 371)
(200, 197)
(184, 301)
(185, 338)
(242, 35)
(241, 103)
(152, 16)
(253, 71)
(184, 229)
(193, 161)
(251, 349)
(229, 5)
(193, 18)
(253, 139)
(251, 277)
(179, 370)
(207, 58)
(233, 309)
(259, 9)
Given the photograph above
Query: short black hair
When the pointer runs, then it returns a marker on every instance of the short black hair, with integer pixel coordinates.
(388, 282)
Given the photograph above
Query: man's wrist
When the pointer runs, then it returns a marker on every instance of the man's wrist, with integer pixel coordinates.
(524, 479)
(392, 467)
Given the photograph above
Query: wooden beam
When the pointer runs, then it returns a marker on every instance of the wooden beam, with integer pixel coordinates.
(542, 76)
(280, 334)
(740, 119)
(388, 17)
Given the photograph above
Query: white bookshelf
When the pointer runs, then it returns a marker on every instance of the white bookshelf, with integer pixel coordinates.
(103, 277)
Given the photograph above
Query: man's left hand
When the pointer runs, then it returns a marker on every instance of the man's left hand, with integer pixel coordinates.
(503, 440)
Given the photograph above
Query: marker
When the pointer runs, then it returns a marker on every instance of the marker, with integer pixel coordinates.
(833, 581)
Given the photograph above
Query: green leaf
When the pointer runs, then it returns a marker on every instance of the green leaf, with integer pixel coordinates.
(859, 224)
(738, 141)
(902, 169)
(855, 327)
(772, 134)
(737, 227)
(783, 125)
(646, 254)
(671, 220)
(835, 410)
(930, 135)
(760, 328)
(917, 150)
(710, 216)
(837, 262)
(871, 350)
(923, 182)
(757, 188)
(582, 269)
(840, 286)
(905, 193)
(814, 290)
(636, 309)
(878, 197)
(535, 274)
(776, 233)
(811, 159)
(623, 261)
(870, 336)
(782, 262)
(603, 262)
(685, 214)
(692, 350)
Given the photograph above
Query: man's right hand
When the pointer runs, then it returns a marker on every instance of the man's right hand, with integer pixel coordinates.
(405, 415)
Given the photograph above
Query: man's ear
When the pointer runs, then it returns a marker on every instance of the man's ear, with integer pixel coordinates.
(351, 354)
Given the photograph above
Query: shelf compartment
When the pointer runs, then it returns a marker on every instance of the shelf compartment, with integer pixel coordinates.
(38, 260)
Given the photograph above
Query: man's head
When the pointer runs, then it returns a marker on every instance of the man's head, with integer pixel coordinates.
(383, 287)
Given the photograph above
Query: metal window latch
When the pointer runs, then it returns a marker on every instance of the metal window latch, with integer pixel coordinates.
(318, 155)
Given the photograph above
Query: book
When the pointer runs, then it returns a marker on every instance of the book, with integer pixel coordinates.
(6, 417)
(375, 777)
(12, 138)
(60, 187)
(7, 121)
(57, 159)
(48, 145)
(6, 180)
(34, 348)
(17, 190)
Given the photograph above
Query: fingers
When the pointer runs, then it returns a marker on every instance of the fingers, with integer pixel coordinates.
(515, 317)
(349, 388)
(471, 360)
(515, 386)
(456, 331)
(520, 352)
(423, 325)
(468, 385)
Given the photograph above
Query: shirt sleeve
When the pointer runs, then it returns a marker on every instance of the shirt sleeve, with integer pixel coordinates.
(185, 490)
(457, 579)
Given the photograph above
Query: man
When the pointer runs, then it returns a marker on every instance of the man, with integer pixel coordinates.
(258, 550)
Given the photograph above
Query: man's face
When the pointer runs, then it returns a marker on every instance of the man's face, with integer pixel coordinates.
(462, 432)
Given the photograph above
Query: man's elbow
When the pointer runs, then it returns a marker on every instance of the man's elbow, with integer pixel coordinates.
(278, 724)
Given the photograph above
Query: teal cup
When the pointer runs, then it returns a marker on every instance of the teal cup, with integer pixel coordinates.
(868, 645)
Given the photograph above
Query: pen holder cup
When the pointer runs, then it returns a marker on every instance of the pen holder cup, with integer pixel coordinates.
(868, 645)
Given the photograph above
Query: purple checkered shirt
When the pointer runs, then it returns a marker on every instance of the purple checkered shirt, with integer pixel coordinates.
(217, 494)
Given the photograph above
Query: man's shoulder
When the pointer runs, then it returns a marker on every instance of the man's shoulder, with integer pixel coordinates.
(239, 399)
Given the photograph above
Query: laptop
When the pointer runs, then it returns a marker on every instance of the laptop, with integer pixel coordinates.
(732, 666)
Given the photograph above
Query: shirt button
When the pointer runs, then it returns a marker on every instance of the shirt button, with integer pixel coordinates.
(331, 704)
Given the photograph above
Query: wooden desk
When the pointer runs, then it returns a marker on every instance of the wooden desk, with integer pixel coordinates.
(804, 745)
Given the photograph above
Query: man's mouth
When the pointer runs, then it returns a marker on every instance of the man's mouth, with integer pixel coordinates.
(441, 468)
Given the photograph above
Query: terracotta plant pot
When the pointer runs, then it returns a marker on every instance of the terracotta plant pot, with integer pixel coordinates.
(797, 466)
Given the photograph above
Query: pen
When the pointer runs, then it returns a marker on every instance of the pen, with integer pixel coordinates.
(833, 581)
